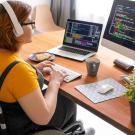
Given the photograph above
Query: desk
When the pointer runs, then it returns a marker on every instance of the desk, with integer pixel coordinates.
(115, 111)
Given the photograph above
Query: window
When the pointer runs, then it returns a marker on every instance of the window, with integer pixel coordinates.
(93, 10)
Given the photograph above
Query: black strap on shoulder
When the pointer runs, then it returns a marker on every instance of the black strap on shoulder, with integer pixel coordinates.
(6, 71)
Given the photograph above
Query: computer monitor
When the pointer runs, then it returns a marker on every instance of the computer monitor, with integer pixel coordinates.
(119, 34)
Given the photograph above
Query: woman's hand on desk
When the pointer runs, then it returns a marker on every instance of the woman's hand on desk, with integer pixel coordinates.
(45, 67)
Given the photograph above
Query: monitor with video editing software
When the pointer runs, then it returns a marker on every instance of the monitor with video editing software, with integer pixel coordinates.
(119, 34)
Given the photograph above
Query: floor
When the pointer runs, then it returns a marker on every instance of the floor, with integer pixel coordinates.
(90, 120)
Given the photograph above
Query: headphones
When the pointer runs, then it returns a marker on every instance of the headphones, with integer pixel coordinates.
(18, 30)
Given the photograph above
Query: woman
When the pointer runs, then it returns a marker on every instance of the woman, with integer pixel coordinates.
(26, 109)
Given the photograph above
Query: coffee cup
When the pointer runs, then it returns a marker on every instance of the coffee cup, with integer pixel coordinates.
(92, 65)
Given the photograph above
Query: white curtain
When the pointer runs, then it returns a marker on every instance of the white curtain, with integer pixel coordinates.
(93, 10)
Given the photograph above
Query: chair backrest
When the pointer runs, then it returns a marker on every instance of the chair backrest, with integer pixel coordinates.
(44, 20)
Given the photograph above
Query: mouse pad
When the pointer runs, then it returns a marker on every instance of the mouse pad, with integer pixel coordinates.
(102, 90)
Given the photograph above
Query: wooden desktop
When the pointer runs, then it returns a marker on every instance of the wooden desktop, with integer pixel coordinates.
(115, 111)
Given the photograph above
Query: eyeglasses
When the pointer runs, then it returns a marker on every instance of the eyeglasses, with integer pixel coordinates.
(29, 23)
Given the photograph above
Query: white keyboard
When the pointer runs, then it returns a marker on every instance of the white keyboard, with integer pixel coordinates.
(71, 74)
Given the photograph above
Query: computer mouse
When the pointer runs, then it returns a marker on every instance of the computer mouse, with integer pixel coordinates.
(105, 88)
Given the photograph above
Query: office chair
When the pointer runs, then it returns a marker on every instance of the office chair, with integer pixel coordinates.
(44, 20)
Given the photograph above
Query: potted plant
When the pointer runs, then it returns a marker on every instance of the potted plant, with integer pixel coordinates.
(130, 93)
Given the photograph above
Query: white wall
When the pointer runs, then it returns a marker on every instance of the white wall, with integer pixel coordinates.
(37, 2)
(93, 10)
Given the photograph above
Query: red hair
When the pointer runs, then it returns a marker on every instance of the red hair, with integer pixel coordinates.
(7, 38)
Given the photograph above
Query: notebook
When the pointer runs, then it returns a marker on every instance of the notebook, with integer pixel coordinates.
(81, 40)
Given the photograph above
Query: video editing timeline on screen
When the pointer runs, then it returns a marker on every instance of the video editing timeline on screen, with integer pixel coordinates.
(81, 34)
(123, 25)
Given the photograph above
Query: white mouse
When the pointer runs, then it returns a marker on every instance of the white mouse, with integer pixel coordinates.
(105, 89)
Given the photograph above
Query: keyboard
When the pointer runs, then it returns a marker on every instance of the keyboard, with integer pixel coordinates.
(71, 74)
(81, 52)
